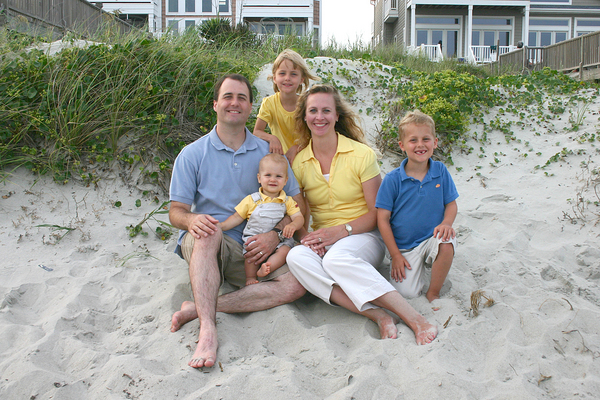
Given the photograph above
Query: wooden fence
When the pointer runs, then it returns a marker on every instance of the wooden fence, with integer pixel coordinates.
(62, 15)
(579, 57)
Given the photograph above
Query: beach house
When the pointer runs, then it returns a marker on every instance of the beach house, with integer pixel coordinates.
(479, 30)
(264, 17)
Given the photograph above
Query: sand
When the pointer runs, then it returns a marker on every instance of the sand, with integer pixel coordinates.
(85, 313)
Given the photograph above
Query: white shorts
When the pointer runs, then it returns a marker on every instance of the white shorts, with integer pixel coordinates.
(419, 258)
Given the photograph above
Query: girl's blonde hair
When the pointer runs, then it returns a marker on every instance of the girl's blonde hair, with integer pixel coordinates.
(348, 123)
(416, 117)
(299, 63)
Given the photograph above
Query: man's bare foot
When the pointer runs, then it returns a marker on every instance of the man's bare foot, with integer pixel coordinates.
(264, 270)
(183, 316)
(425, 332)
(387, 326)
(206, 351)
(431, 296)
(251, 281)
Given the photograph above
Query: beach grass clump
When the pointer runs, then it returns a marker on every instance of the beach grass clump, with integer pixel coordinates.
(136, 101)
(457, 99)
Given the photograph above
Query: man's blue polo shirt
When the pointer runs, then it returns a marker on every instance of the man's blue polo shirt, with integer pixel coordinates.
(416, 207)
(213, 178)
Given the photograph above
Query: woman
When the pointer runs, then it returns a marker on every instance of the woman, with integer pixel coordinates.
(339, 176)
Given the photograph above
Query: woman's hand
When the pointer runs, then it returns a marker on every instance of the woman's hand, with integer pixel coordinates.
(323, 237)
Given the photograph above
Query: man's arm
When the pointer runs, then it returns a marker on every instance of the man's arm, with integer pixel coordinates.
(198, 225)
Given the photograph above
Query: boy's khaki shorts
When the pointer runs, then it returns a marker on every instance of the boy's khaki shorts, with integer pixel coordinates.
(230, 261)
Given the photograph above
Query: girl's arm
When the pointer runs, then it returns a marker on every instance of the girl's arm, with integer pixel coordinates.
(274, 143)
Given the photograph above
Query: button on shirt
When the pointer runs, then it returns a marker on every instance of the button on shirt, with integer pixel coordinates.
(341, 199)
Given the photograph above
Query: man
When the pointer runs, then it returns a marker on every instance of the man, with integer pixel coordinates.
(210, 177)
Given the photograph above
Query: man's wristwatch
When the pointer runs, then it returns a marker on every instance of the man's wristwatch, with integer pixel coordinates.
(348, 229)
(279, 234)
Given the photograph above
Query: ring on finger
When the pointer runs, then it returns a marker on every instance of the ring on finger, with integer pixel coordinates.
(320, 240)
(261, 253)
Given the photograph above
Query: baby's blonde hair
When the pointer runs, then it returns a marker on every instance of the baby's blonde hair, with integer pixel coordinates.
(299, 63)
(418, 118)
(275, 158)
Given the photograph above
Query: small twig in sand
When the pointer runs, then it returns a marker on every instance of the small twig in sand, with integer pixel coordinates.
(543, 378)
(585, 348)
(476, 300)
(544, 302)
(448, 321)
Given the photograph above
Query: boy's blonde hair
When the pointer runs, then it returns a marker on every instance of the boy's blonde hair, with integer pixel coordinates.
(299, 63)
(418, 118)
(275, 158)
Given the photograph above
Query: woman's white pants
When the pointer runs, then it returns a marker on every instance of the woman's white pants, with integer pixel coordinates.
(349, 263)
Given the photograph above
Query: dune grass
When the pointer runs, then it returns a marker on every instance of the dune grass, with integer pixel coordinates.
(136, 100)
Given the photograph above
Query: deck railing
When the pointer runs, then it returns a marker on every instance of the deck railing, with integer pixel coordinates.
(580, 54)
(431, 51)
(64, 15)
(487, 54)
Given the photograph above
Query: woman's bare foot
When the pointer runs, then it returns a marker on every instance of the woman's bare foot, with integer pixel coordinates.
(387, 326)
(264, 270)
(251, 281)
(425, 332)
(183, 316)
(206, 351)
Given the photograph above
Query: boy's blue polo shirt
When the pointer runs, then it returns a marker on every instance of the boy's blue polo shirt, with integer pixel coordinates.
(213, 178)
(416, 207)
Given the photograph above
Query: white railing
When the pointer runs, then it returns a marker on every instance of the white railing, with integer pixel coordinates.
(432, 51)
(487, 54)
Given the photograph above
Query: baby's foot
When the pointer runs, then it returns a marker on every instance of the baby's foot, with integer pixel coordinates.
(264, 270)
(251, 281)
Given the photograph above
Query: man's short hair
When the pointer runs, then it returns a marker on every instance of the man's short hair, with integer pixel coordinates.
(235, 77)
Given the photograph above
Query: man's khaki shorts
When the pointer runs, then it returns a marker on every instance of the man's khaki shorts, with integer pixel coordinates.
(230, 261)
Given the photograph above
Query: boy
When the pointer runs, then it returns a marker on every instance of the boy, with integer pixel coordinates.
(416, 206)
(263, 210)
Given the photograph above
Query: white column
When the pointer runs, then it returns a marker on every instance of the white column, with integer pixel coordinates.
(469, 31)
(526, 26)
(413, 25)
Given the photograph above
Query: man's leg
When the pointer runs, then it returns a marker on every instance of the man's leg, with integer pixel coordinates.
(205, 279)
(262, 296)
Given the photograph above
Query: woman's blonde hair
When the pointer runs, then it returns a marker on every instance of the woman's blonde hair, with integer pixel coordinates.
(416, 117)
(348, 123)
(299, 63)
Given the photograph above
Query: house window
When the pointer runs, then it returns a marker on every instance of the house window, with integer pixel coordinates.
(207, 6)
(443, 31)
(584, 26)
(173, 5)
(189, 23)
(224, 6)
(190, 6)
(551, 1)
(548, 31)
(173, 25)
(492, 31)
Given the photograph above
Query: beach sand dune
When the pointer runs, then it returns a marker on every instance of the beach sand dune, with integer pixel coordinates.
(85, 311)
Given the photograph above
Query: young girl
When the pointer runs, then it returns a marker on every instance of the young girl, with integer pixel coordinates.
(290, 77)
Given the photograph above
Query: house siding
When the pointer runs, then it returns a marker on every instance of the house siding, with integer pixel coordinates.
(577, 9)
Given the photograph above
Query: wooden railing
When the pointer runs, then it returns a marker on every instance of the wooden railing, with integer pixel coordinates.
(64, 15)
(579, 56)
